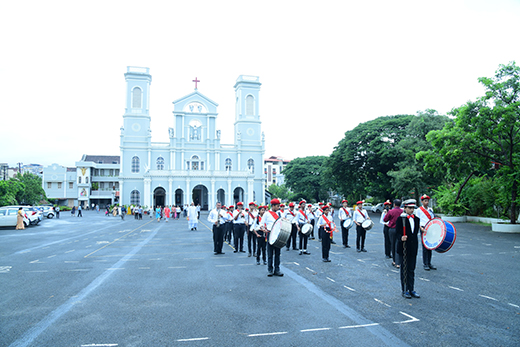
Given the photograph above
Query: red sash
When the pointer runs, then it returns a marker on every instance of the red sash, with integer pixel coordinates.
(425, 211)
(274, 214)
(346, 212)
(327, 221)
(361, 213)
(292, 213)
(301, 211)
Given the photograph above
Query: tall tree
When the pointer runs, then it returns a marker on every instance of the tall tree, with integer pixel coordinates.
(33, 191)
(487, 131)
(304, 176)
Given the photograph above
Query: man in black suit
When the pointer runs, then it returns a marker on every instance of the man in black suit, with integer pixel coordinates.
(408, 227)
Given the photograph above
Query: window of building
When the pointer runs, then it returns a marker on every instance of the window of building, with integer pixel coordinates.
(135, 197)
(160, 163)
(71, 185)
(86, 179)
(135, 164)
(117, 185)
(96, 172)
(49, 185)
(251, 166)
(102, 172)
(117, 172)
(59, 185)
(111, 172)
(136, 97)
(79, 179)
(250, 105)
(101, 185)
(228, 164)
(195, 162)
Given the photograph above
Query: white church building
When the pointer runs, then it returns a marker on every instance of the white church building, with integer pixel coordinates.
(193, 166)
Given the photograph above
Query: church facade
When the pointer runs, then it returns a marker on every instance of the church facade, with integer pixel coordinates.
(193, 166)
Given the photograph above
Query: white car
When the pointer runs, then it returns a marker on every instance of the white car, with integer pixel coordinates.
(378, 208)
(8, 217)
(48, 211)
(33, 214)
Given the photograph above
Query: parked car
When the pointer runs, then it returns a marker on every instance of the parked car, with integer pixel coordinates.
(48, 211)
(33, 214)
(378, 208)
(8, 217)
(367, 206)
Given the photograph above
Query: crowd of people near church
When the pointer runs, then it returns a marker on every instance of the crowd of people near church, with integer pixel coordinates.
(299, 222)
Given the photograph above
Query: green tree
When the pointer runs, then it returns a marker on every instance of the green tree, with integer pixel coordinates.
(33, 192)
(304, 176)
(280, 192)
(9, 190)
(360, 163)
(487, 131)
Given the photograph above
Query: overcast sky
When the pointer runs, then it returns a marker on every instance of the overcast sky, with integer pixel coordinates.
(325, 66)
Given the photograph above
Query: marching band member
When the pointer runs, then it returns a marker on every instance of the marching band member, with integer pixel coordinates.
(250, 220)
(261, 237)
(391, 217)
(325, 229)
(319, 212)
(408, 227)
(290, 214)
(312, 219)
(331, 214)
(272, 252)
(217, 218)
(386, 235)
(229, 224)
(425, 215)
(300, 220)
(239, 227)
(360, 215)
(344, 214)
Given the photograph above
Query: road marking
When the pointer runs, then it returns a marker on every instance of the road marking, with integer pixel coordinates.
(101, 345)
(455, 288)
(102, 242)
(72, 250)
(192, 258)
(379, 301)
(193, 339)
(396, 271)
(114, 268)
(488, 253)
(424, 279)
(351, 289)
(79, 270)
(177, 267)
(5, 269)
(295, 263)
(412, 319)
(361, 260)
(144, 268)
(330, 279)
(223, 265)
(311, 270)
(487, 297)
(487, 244)
(38, 271)
(517, 246)
(317, 329)
(501, 252)
(513, 305)
(268, 334)
(245, 264)
(358, 326)
(34, 261)
(45, 247)
(51, 256)
(71, 261)
(375, 264)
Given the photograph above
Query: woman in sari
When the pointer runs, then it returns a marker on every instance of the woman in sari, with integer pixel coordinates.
(19, 219)
(158, 213)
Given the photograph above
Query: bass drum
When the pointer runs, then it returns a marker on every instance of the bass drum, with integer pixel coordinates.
(280, 233)
(439, 235)
(306, 228)
(367, 224)
(348, 223)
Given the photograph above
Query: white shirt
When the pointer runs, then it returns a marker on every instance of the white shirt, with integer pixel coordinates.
(322, 222)
(214, 215)
(268, 220)
(423, 217)
(381, 220)
(344, 215)
(358, 215)
(241, 219)
(291, 215)
(301, 217)
(251, 217)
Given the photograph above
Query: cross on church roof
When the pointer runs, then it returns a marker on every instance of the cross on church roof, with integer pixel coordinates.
(195, 80)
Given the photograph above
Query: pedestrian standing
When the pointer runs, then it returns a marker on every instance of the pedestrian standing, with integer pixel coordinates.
(425, 215)
(391, 217)
(386, 234)
(360, 215)
(79, 211)
(57, 210)
(19, 219)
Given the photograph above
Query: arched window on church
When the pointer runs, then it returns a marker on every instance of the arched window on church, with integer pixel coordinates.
(196, 163)
(136, 97)
(160, 163)
(228, 164)
(135, 198)
(250, 105)
(135, 164)
(251, 166)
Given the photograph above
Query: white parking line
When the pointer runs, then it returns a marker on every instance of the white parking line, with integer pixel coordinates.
(359, 326)
(311, 270)
(177, 267)
(351, 289)
(194, 339)
(317, 329)
(72, 250)
(223, 265)
(101, 345)
(330, 279)
(34, 261)
(424, 279)
(487, 297)
(71, 261)
(295, 263)
(51, 256)
(379, 301)
(513, 305)
(268, 334)
(456, 288)
(412, 319)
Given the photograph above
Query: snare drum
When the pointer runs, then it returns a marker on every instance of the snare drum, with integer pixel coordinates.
(367, 224)
(280, 232)
(439, 235)
(306, 228)
(348, 223)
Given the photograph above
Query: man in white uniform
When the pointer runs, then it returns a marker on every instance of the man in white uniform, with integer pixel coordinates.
(192, 216)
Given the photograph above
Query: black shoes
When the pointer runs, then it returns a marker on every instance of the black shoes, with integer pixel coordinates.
(326, 260)
(333, 242)
(270, 274)
(278, 273)
(301, 252)
(235, 251)
(257, 263)
(407, 295)
(358, 250)
(305, 252)
(414, 294)
(363, 250)
(242, 251)
(346, 246)
(432, 267)
(426, 268)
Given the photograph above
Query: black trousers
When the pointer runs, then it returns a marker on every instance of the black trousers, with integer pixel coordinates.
(408, 274)
(344, 234)
(273, 255)
(392, 234)
(238, 234)
(294, 232)
(361, 234)
(228, 231)
(325, 243)
(303, 239)
(426, 254)
(261, 246)
(312, 230)
(386, 235)
(251, 241)
(218, 238)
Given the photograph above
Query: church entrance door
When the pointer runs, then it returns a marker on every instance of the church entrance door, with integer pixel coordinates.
(179, 197)
(221, 196)
(238, 195)
(159, 196)
(200, 196)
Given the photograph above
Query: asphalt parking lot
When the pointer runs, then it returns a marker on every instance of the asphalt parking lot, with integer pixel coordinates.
(100, 281)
